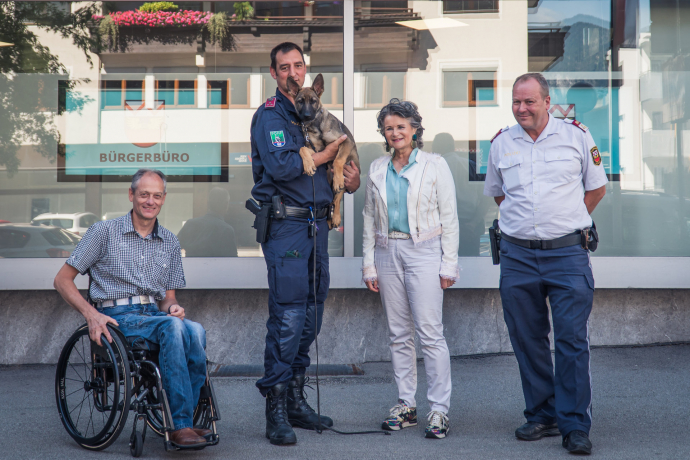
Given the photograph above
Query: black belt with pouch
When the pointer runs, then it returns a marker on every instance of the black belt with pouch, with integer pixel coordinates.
(588, 238)
(277, 209)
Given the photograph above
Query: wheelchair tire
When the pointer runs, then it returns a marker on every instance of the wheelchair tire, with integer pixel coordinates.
(93, 389)
(136, 444)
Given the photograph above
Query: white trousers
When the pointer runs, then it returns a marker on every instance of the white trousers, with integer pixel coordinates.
(412, 297)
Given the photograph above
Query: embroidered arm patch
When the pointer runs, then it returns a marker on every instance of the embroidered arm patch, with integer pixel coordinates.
(596, 157)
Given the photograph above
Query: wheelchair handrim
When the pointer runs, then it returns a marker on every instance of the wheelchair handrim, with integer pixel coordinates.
(119, 408)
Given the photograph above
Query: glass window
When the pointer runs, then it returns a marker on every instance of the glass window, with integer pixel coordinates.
(165, 97)
(470, 6)
(57, 237)
(176, 93)
(469, 89)
(13, 239)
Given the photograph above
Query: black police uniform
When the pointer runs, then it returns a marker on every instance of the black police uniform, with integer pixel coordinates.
(276, 137)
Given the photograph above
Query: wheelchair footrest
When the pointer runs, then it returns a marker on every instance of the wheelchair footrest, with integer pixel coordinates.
(211, 440)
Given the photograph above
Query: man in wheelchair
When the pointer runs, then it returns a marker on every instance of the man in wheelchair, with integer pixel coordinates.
(135, 265)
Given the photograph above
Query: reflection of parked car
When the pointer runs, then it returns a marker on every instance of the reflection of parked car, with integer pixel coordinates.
(76, 223)
(642, 223)
(114, 214)
(25, 240)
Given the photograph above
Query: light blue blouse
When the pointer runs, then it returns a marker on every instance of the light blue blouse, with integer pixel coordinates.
(396, 191)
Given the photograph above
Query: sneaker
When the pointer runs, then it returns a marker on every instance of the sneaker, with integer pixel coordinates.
(401, 416)
(438, 425)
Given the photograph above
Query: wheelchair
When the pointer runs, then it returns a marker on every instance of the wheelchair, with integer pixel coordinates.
(97, 386)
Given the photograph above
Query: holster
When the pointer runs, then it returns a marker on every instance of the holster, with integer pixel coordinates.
(262, 219)
(590, 238)
(495, 239)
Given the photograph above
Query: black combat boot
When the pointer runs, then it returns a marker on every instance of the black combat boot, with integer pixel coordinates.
(299, 413)
(278, 430)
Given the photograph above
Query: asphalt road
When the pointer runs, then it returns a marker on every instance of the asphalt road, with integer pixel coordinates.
(640, 411)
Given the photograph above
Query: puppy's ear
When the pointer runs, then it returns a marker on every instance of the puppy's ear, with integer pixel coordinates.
(317, 86)
(293, 87)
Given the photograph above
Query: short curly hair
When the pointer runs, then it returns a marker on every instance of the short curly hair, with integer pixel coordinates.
(403, 109)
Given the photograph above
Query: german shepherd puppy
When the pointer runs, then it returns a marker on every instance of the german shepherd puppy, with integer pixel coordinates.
(323, 128)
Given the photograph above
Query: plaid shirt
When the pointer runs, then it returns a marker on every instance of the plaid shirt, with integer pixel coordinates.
(123, 264)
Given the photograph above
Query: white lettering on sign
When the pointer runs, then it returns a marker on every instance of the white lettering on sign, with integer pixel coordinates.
(139, 157)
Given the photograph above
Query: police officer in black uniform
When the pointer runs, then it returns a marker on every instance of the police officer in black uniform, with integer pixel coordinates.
(276, 137)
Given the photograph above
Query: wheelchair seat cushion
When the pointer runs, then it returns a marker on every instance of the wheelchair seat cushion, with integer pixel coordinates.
(140, 343)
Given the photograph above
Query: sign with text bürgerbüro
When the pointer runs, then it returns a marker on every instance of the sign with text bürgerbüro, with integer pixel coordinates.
(178, 159)
(138, 137)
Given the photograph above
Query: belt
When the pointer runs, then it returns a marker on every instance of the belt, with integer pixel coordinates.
(399, 235)
(136, 300)
(562, 242)
(305, 213)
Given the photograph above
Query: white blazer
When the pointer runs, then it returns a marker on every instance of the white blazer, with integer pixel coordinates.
(431, 210)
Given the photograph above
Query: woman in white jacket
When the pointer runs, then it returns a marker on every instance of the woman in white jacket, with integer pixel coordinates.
(410, 249)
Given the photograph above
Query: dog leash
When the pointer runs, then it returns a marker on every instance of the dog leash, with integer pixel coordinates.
(320, 428)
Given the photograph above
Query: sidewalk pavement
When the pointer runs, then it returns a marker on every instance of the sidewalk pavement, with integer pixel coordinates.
(640, 411)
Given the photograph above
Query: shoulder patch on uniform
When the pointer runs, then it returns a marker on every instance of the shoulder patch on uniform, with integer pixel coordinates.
(277, 138)
(271, 102)
(596, 156)
(578, 124)
(499, 133)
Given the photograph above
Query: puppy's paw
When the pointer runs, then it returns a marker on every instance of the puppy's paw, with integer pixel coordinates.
(334, 222)
(307, 160)
(338, 183)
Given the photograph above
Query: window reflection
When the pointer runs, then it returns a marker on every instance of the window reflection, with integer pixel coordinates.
(621, 68)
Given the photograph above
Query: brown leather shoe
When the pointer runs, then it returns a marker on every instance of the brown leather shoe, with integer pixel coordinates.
(186, 437)
(202, 431)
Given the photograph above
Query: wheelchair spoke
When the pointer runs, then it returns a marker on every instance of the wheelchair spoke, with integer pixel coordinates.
(70, 394)
(75, 371)
(90, 419)
(81, 405)
(86, 377)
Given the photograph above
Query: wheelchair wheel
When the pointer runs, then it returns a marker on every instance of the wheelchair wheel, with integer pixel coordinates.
(136, 444)
(205, 411)
(154, 417)
(92, 389)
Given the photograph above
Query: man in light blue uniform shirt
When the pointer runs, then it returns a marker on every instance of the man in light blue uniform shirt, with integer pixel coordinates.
(396, 189)
(546, 176)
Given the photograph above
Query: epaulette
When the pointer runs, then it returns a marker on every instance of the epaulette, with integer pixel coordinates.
(499, 133)
(271, 102)
(576, 123)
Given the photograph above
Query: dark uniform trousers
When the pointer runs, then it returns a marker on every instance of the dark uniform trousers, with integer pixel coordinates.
(528, 277)
(291, 323)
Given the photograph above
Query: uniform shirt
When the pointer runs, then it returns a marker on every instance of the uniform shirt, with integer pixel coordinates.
(396, 191)
(276, 137)
(544, 181)
(123, 264)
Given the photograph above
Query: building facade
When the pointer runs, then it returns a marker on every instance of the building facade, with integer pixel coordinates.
(180, 97)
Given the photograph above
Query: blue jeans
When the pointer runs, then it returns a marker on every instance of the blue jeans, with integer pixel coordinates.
(182, 357)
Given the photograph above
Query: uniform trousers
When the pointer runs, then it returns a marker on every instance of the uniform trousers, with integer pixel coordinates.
(292, 326)
(564, 276)
(410, 287)
(182, 356)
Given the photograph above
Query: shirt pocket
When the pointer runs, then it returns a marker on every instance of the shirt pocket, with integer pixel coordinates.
(161, 265)
(511, 172)
(562, 166)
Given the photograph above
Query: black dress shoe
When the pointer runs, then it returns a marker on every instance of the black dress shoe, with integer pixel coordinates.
(532, 431)
(577, 442)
